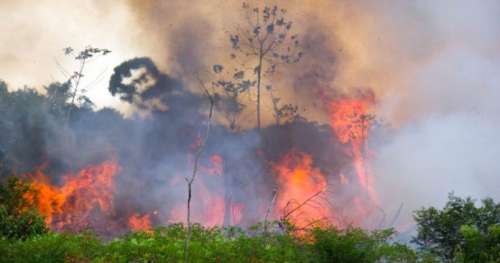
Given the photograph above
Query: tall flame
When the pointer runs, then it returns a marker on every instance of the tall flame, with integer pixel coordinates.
(301, 190)
(72, 203)
(350, 120)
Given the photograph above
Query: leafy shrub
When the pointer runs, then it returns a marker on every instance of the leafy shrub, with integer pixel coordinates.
(18, 218)
(479, 247)
(52, 248)
(461, 231)
(358, 246)
(166, 244)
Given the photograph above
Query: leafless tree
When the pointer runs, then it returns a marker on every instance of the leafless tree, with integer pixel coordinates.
(74, 79)
(265, 42)
(190, 179)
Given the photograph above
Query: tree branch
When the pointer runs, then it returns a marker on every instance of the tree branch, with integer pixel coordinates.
(197, 157)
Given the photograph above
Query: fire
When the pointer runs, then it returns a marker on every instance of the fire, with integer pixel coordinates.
(208, 206)
(301, 190)
(72, 204)
(216, 167)
(237, 212)
(48, 198)
(350, 120)
(140, 223)
(88, 195)
(211, 209)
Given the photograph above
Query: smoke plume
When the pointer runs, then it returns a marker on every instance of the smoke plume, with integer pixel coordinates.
(432, 68)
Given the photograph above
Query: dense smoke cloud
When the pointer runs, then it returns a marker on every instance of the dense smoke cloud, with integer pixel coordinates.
(432, 65)
(441, 94)
(155, 153)
(452, 144)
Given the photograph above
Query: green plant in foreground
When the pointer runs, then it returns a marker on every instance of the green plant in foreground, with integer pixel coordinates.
(19, 219)
(461, 231)
(165, 244)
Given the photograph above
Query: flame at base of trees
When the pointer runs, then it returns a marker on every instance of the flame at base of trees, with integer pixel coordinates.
(81, 196)
(351, 121)
(305, 195)
(302, 188)
(138, 222)
(209, 205)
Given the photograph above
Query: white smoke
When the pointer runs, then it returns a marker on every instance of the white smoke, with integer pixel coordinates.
(448, 139)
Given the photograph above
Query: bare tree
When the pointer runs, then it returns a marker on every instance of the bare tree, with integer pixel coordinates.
(190, 180)
(74, 79)
(265, 42)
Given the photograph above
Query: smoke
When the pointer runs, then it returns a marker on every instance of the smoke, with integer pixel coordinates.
(441, 154)
(441, 97)
(450, 146)
(433, 67)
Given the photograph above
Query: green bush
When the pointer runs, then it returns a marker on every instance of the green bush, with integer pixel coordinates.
(479, 247)
(166, 244)
(358, 246)
(51, 248)
(461, 231)
(18, 218)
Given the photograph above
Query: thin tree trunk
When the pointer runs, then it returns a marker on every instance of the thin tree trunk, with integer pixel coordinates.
(228, 199)
(188, 213)
(73, 97)
(259, 72)
(191, 179)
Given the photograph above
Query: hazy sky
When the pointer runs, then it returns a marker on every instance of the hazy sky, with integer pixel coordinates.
(434, 66)
(33, 34)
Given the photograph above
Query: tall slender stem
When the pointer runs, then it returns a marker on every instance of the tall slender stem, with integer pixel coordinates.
(191, 179)
(77, 84)
(259, 72)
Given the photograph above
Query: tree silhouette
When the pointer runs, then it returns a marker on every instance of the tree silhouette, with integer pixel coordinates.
(73, 81)
(260, 46)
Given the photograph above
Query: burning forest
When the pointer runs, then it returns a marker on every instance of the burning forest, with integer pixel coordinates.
(114, 174)
(281, 115)
(99, 170)
(298, 170)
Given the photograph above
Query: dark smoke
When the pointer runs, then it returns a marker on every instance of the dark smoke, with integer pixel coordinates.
(155, 150)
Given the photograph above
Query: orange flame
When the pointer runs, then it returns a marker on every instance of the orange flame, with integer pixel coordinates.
(140, 223)
(301, 187)
(207, 206)
(350, 120)
(72, 203)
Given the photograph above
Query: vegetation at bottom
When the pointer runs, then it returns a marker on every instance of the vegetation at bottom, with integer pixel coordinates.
(166, 244)
(460, 232)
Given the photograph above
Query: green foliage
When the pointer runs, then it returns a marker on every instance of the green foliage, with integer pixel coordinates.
(461, 231)
(479, 247)
(52, 247)
(165, 244)
(18, 219)
(357, 246)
